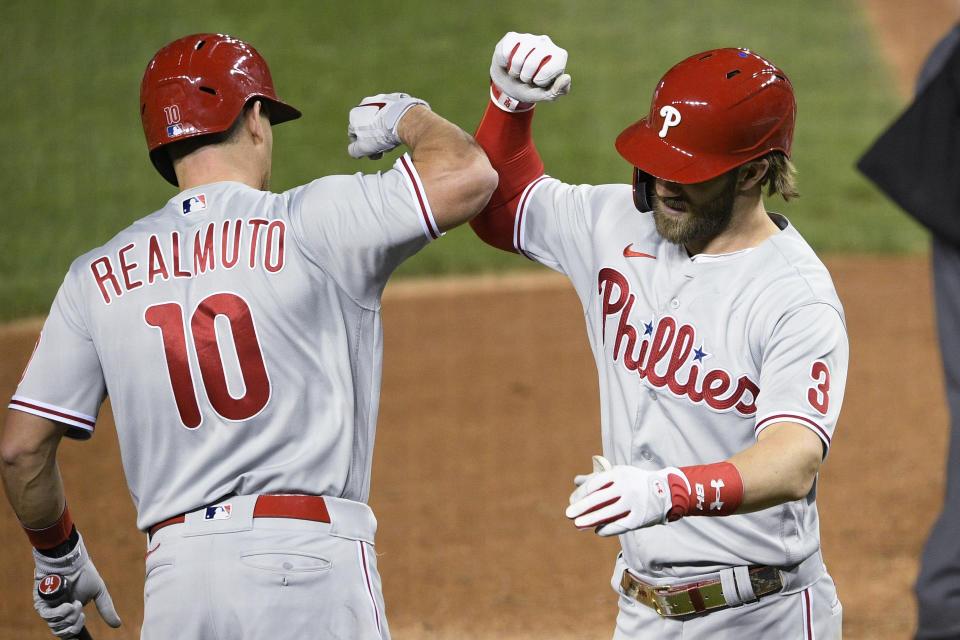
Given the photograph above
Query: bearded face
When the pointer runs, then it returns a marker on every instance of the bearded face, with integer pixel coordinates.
(695, 214)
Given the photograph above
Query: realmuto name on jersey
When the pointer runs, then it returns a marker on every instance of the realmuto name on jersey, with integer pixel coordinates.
(240, 243)
(660, 352)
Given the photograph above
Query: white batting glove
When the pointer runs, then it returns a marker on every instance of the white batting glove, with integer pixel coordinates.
(373, 124)
(622, 498)
(85, 583)
(527, 69)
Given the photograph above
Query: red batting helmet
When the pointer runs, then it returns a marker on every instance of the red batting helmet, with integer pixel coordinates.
(198, 85)
(710, 113)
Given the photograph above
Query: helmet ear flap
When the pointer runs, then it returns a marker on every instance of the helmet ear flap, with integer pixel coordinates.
(642, 190)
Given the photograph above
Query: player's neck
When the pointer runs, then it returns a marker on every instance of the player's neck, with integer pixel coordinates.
(211, 164)
(749, 226)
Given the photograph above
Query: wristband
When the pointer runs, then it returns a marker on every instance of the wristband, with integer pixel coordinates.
(65, 547)
(505, 102)
(707, 490)
(54, 535)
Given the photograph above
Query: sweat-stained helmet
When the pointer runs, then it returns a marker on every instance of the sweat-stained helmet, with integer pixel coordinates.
(710, 113)
(198, 85)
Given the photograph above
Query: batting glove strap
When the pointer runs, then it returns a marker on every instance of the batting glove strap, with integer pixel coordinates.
(505, 102)
(374, 122)
(71, 562)
(527, 69)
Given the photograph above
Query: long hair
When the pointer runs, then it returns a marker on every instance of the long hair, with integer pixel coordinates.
(781, 176)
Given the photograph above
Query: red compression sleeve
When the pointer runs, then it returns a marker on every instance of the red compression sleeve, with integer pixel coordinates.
(715, 490)
(507, 140)
(51, 536)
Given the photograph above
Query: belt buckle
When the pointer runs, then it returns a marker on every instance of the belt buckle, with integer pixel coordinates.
(666, 601)
(640, 591)
(675, 601)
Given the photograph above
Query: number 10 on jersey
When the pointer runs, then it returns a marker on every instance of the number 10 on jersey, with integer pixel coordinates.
(169, 319)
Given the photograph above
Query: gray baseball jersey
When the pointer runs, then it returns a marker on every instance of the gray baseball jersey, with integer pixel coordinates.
(696, 356)
(238, 335)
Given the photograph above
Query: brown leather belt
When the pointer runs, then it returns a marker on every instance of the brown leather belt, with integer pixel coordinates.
(695, 597)
(296, 507)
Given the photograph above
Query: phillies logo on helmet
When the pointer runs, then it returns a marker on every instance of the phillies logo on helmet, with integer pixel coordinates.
(671, 118)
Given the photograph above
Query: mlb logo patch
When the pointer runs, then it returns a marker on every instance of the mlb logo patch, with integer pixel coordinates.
(194, 203)
(219, 512)
(174, 130)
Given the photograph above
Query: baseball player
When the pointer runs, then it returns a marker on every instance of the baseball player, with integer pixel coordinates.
(238, 334)
(718, 337)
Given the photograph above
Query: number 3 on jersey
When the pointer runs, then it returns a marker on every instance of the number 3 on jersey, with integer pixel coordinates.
(819, 395)
(169, 318)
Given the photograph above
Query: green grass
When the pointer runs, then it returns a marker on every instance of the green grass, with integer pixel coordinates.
(75, 170)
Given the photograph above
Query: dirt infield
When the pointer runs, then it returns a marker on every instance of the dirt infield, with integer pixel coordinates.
(490, 407)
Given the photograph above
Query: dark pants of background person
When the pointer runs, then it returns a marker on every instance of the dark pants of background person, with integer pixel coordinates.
(938, 584)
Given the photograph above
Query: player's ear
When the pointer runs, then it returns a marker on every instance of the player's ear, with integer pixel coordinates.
(752, 173)
(257, 120)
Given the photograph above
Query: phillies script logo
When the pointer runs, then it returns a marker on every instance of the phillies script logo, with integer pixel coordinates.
(658, 353)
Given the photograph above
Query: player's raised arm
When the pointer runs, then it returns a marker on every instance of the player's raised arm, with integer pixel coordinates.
(525, 69)
(455, 172)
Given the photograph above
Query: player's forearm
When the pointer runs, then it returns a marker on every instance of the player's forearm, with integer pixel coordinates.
(780, 467)
(455, 171)
(31, 477)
